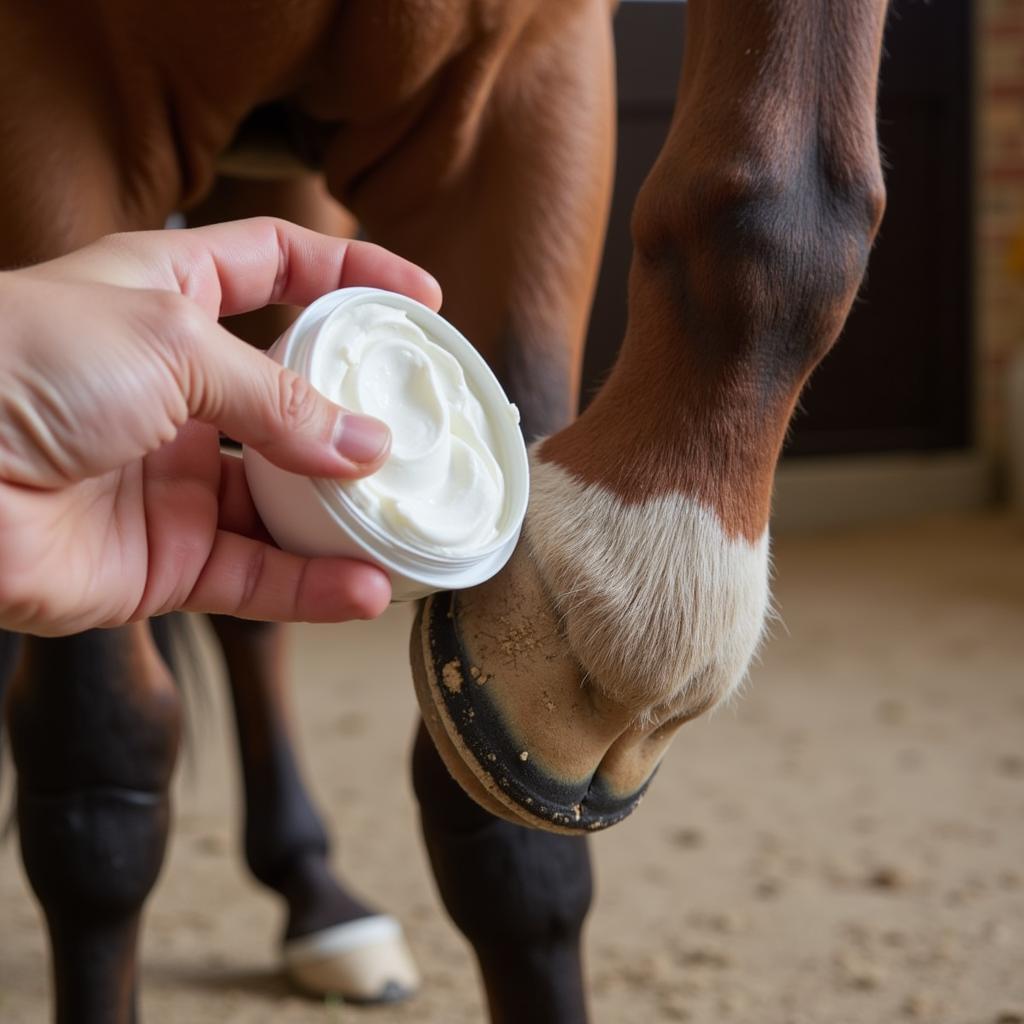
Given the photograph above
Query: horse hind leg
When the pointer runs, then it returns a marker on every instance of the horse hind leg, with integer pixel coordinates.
(333, 943)
(94, 725)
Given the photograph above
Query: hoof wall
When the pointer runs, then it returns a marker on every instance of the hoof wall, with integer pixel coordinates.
(361, 961)
(474, 737)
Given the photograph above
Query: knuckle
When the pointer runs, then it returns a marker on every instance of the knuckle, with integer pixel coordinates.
(173, 318)
(252, 577)
(121, 243)
(176, 323)
(298, 402)
(174, 327)
(115, 240)
(267, 224)
(184, 314)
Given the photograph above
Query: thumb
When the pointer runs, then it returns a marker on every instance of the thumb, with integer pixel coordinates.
(256, 401)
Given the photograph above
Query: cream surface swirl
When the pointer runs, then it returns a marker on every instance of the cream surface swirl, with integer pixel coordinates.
(442, 489)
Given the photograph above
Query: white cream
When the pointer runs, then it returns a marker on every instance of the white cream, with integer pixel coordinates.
(442, 489)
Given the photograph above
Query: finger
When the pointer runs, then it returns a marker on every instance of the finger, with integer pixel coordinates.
(247, 264)
(236, 511)
(252, 580)
(259, 403)
(264, 260)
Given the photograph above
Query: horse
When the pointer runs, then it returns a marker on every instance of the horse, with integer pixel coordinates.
(474, 137)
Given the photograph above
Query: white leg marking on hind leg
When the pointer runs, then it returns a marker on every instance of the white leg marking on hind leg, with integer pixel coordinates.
(342, 938)
(366, 959)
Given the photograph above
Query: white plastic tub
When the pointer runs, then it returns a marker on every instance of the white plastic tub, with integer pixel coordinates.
(316, 517)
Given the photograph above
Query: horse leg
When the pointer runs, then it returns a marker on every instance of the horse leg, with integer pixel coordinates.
(519, 896)
(535, 202)
(334, 943)
(94, 726)
(642, 576)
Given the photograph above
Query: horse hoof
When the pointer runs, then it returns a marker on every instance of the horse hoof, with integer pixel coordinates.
(506, 708)
(361, 961)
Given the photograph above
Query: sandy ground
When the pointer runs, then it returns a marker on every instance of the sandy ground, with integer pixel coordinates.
(844, 845)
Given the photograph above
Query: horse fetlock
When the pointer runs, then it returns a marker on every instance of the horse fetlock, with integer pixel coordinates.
(553, 690)
(660, 607)
(291, 844)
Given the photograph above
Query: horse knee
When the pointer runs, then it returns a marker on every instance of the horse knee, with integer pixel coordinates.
(98, 851)
(94, 722)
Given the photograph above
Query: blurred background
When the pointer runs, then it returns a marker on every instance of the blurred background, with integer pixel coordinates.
(912, 411)
(845, 843)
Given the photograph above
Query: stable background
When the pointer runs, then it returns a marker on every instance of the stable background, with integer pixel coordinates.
(845, 844)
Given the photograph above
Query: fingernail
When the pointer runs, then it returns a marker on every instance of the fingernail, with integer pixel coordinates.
(362, 438)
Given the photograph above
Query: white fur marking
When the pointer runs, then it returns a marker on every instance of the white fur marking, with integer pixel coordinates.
(662, 609)
(343, 938)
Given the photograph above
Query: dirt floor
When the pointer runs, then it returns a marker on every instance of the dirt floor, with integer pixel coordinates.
(843, 846)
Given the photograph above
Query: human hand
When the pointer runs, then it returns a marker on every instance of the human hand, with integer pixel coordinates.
(115, 501)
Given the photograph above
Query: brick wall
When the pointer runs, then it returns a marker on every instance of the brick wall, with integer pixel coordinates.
(999, 133)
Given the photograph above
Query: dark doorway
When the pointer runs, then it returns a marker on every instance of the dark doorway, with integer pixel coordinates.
(899, 378)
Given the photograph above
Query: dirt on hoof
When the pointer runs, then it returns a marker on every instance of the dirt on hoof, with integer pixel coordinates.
(841, 846)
